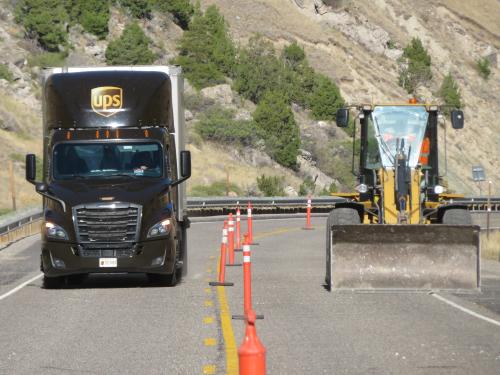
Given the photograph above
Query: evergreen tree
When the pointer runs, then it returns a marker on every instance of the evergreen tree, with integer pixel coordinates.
(274, 118)
(414, 66)
(483, 67)
(450, 93)
(182, 10)
(259, 71)
(131, 48)
(93, 15)
(137, 8)
(325, 98)
(206, 51)
(293, 55)
(44, 20)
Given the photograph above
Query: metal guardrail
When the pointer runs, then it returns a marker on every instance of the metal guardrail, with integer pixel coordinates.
(12, 231)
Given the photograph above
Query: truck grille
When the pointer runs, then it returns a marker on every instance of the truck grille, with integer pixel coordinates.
(107, 229)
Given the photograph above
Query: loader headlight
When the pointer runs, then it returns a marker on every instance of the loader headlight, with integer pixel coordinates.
(361, 188)
(438, 189)
(160, 229)
(55, 231)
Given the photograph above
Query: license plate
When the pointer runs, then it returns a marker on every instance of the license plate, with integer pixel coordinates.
(107, 262)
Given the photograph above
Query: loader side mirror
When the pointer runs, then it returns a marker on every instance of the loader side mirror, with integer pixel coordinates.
(342, 117)
(457, 119)
(31, 168)
(185, 164)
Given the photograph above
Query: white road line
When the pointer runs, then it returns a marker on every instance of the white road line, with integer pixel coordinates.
(466, 310)
(19, 287)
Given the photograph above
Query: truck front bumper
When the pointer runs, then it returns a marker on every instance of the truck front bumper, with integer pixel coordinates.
(63, 258)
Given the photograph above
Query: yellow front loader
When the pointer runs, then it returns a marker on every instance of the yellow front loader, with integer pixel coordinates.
(400, 230)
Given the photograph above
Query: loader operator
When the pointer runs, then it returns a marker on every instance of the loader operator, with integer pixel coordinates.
(425, 152)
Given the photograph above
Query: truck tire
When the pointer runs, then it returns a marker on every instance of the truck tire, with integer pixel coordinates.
(53, 282)
(163, 280)
(457, 216)
(184, 255)
(338, 216)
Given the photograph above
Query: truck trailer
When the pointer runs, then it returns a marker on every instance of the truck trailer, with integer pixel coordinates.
(114, 163)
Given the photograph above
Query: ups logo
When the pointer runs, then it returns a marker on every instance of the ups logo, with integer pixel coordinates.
(106, 100)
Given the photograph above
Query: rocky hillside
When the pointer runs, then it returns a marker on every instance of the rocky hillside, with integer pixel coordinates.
(357, 44)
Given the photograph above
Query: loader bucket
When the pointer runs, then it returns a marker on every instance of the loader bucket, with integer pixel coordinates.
(408, 257)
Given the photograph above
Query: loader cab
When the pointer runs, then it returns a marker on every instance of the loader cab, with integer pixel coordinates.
(385, 130)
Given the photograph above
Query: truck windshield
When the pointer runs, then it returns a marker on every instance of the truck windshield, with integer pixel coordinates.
(89, 160)
(389, 125)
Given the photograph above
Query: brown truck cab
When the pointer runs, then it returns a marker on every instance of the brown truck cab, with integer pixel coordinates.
(113, 170)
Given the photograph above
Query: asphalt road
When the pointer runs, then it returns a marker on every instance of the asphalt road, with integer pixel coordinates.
(120, 324)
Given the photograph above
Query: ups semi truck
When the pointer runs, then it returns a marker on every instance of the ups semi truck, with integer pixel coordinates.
(114, 164)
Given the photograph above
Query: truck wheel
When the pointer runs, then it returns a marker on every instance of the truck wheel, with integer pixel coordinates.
(163, 280)
(457, 216)
(338, 216)
(52, 282)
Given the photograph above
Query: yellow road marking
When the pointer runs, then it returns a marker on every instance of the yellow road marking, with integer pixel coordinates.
(208, 290)
(210, 342)
(227, 333)
(209, 303)
(208, 319)
(209, 369)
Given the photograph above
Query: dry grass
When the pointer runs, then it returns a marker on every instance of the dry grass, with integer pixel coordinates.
(211, 163)
(490, 247)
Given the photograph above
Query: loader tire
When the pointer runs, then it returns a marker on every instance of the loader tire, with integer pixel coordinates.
(457, 216)
(338, 216)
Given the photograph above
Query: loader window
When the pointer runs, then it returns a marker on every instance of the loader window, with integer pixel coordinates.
(393, 125)
(372, 160)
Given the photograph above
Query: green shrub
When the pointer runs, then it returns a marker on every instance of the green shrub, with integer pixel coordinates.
(275, 121)
(47, 59)
(5, 73)
(218, 188)
(271, 186)
(307, 187)
(450, 93)
(137, 8)
(414, 66)
(259, 71)
(131, 48)
(93, 15)
(44, 20)
(483, 67)
(329, 190)
(206, 51)
(217, 124)
(182, 10)
(197, 102)
(325, 99)
(293, 55)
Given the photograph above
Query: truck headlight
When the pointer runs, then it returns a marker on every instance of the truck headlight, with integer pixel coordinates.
(160, 229)
(55, 231)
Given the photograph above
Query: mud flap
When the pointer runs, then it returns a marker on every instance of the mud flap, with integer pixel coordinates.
(410, 257)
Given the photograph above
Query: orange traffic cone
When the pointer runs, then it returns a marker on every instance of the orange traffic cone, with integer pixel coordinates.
(222, 261)
(238, 230)
(230, 241)
(308, 215)
(251, 353)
